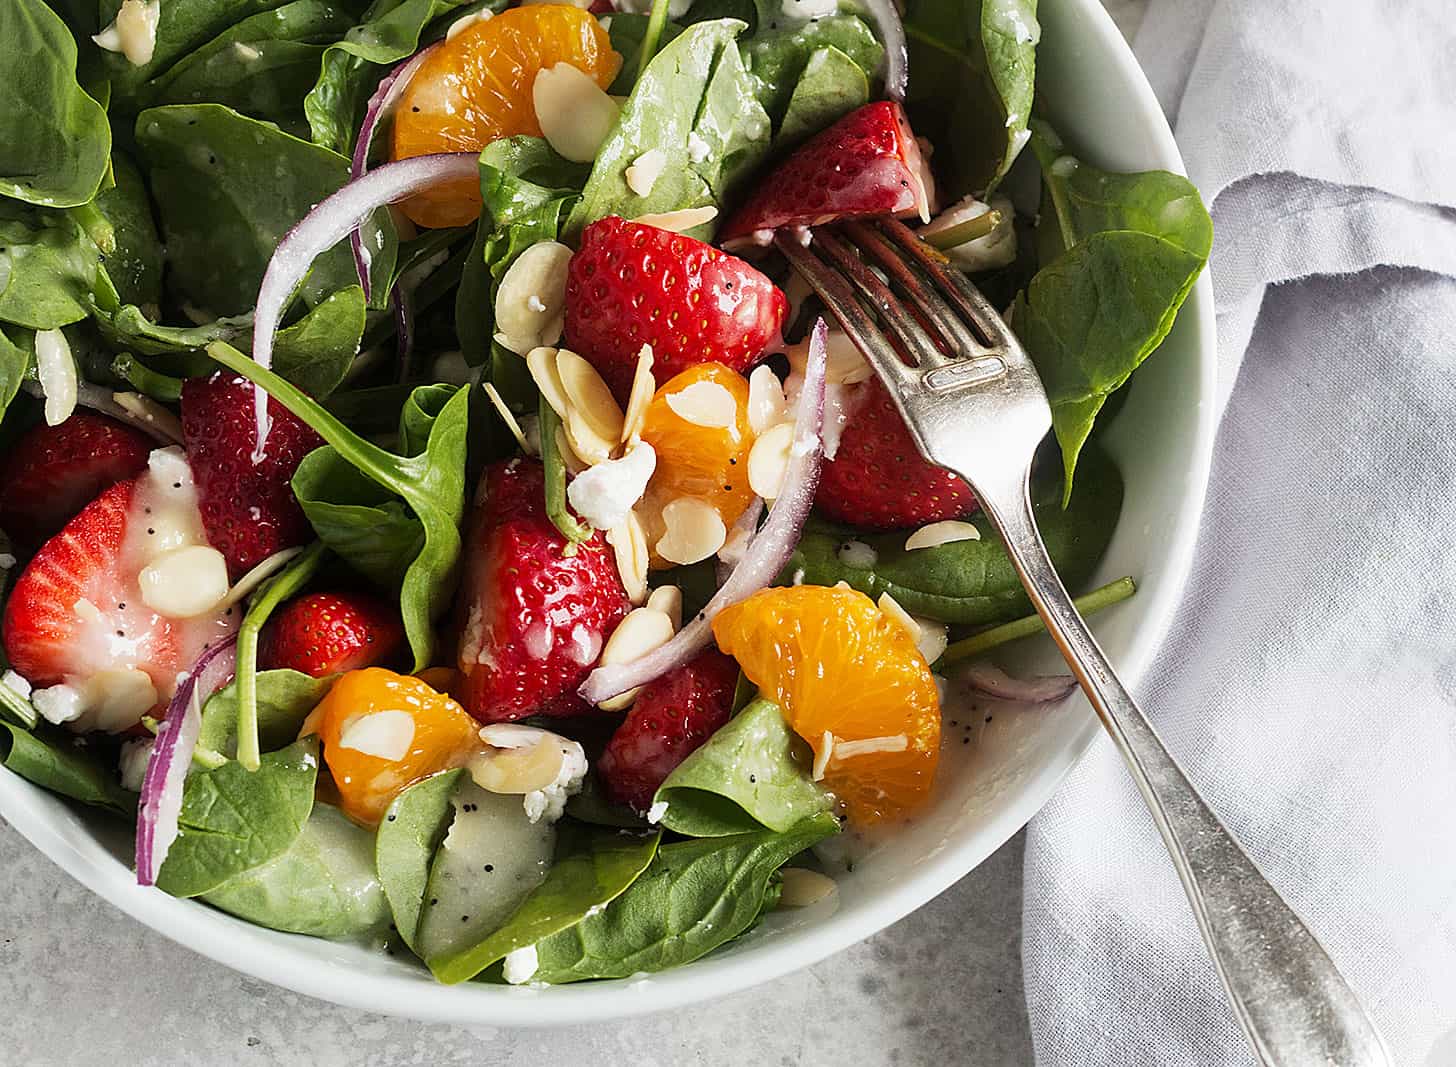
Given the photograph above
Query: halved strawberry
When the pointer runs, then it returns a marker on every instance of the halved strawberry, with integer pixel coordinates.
(878, 480)
(670, 719)
(248, 509)
(327, 633)
(533, 619)
(76, 616)
(52, 472)
(866, 164)
(631, 284)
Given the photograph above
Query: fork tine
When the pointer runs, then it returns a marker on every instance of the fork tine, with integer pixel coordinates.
(951, 326)
(882, 298)
(956, 287)
(839, 298)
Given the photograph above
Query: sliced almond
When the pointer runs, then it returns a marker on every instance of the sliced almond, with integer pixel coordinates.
(766, 404)
(464, 22)
(541, 363)
(844, 750)
(689, 218)
(693, 531)
(941, 533)
(802, 887)
(706, 404)
(643, 386)
(145, 409)
(823, 756)
(185, 582)
(639, 633)
(642, 174)
(574, 463)
(584, 440)
(934, 636)
(668, 600)
(574, 112)
(891, 609)
(768, 460)
(629, 546)
(531, 298)
(385, 735)
(519, 770)
(589, 396)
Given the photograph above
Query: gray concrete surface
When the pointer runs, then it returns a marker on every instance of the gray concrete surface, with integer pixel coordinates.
(81, 983)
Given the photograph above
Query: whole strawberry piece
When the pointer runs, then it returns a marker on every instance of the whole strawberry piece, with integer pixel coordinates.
(248, 509)
(878, 480)
(669, 720)
(532, 618)
(327, 633)
(866, 164)
(630, 285)
(52, 472)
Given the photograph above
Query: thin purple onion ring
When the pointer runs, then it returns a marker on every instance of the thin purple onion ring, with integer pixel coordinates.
(897, 55)
(334, 218)
(380, 105)
(161, 802)
(765, 555)
(993, 681)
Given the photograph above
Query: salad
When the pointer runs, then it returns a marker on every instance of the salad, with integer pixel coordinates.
(433, 513)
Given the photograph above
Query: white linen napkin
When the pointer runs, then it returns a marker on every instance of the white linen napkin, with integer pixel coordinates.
(1309, 682)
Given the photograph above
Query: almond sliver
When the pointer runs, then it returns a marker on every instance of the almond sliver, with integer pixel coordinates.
(589, 396)
(541, 363)
(643, 386)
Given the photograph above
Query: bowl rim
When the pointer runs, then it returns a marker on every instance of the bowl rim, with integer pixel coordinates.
(269, 956)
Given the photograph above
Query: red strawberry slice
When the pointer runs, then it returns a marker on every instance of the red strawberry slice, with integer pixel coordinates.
(866, 164)
(669, 720)
(53, 472)
(878, 480)
(248, 509)
(76, 616)
(327, 633)
(533, 619)
(631, 284)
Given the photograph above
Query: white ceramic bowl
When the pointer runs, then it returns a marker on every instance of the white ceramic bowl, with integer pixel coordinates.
(1162, 440)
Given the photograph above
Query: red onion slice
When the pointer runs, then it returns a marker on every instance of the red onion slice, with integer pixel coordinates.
(765, 555)
(334, 218)
(379, 108)
(161, 802)
(993, 681)
(897, 55)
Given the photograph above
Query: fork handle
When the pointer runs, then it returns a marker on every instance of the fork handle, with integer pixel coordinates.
(1296, 1008)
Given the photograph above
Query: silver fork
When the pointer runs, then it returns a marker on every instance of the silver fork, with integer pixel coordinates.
(981, 412)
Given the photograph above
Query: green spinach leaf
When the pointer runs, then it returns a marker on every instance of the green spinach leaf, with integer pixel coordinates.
(430, 481)
(390, 31)
(745, 778)
(285, 698)
(48, 268)
(56, 137)
(61, 763)
(17, 352)
(234, 819)
(323, 884)
(261, 66)
(229, 188)
(411, 831)
(525, 189)
(981, 54)
(695, 103)
(317, 351)
(695, 896)
(1132, 247)
(973, 581)
(592, 868)
(777, 56)
(627, 32)
(135, 263)
(831, 86)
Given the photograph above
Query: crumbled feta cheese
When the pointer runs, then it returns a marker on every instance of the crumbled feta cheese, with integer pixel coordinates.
(134, 757)
(17, 683)
(603, 494)
(519, 966)
(656, 812)
(698, 149)
(809, 9)
(644, 171)
(550, 803)
(58, 704)
(857, 554)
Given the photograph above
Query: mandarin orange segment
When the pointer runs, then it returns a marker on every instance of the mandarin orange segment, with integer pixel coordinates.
(836, 664)
(475, 88)
(709, 461)
(383, 731)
